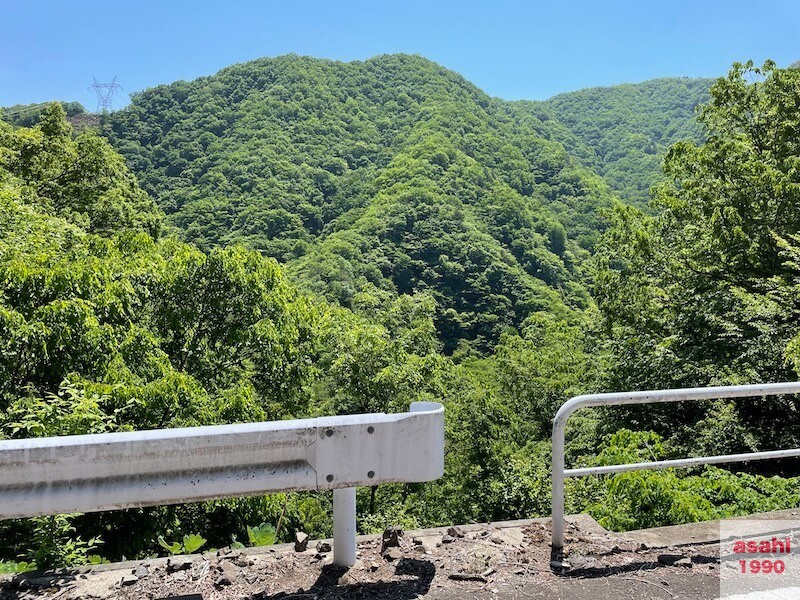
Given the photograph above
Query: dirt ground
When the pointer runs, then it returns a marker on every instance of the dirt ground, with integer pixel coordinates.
(477, 561)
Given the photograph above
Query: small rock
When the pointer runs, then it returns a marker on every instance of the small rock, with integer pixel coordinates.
(323, 547)
(685, 562)
(391, 537)
(643, 546)
(468, 577)
(180, 576)
(416, 541)
(251, 578)
(178, 564)
(128, 579)
(393, 554)
(345, 580)
(228, 573)
(374, 566)
(455, 532)
(582, 562)
(141, 571)
(669, 559)
(615, 549)
(300, 541)
(497, 539)
(448, 539)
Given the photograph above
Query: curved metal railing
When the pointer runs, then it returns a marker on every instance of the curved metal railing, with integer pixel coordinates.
(649, 397)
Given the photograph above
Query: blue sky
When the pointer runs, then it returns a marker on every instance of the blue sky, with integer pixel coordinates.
(52, 50)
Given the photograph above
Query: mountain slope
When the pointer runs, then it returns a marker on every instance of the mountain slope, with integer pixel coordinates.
(308, 160)
(623, 131)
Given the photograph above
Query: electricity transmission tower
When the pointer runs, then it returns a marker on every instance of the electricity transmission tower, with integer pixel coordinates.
(105, 94)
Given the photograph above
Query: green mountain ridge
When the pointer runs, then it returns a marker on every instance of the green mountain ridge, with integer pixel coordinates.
(299, 158)
(625, 130)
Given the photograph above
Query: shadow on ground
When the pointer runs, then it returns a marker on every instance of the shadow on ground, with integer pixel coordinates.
(589, 572)
(416, 577)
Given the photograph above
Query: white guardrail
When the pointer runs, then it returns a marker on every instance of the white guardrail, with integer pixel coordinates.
(680, 395)
(88, 473)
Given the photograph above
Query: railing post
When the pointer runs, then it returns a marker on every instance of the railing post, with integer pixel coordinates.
(557, 520)
(344, 527)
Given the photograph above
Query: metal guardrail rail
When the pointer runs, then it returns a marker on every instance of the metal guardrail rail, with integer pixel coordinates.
(89, 473)
(648, 397)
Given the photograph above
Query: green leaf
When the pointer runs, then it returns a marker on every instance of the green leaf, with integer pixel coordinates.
(193, 542)
(263, 535)
(173, 548)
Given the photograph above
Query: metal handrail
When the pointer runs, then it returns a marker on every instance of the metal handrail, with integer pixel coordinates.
(649, 397)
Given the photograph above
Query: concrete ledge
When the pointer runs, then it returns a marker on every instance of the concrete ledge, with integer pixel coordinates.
(703, 532)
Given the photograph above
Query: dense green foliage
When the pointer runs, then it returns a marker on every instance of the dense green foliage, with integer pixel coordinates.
(705, 291)
(436, 244)
(27, 115)
(623, 132)
(392, 173)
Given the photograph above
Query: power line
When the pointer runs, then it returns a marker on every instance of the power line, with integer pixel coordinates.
(105, 93)
(15, 112)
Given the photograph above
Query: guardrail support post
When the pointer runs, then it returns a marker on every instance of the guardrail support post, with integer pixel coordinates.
(344, 527)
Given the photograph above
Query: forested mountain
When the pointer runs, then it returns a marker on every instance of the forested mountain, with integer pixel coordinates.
(398, 174)
(392, 173)
(625, 130)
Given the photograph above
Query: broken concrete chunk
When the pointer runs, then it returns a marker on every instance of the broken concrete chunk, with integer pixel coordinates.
(468, 577)
(669, 559)
(300, 541)
(582, 562)
(142, 571)
(393, 554)
(323, 547)
(455, 532)
(391, 537)
(228, 573)
(178, 564)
